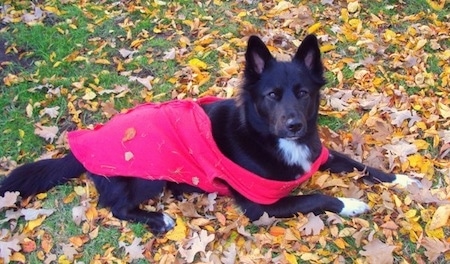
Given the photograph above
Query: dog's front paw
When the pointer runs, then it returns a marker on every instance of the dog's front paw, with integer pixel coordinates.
(403, 181)
(161, 224)
(353, 207)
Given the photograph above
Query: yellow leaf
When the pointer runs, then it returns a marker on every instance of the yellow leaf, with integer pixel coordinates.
(415, 160)
(444, 110)
(281, 6)
(411, 213)
(52, 9)
(69, 198)
(198, 64)
(436, 4)
(17, 256)
(291, 259)
(91, 213)
(138, 42)
(79, 190)
(64, 260)
(435, 233)
(52, 56)
(327, 47)
(21, 133)
(353, 7)
(178, 233)
(313, 28)
(420, 44)
(120, 67)
(31, 225)
(242, 14)
(344, 14)
(389, 35)
(340, 243)
(56, 64)
(102, 61)
(421, 144)
(440, 217)
(89, 94)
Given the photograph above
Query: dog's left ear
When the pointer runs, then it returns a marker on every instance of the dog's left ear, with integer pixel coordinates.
(257, 57)
(309, 54)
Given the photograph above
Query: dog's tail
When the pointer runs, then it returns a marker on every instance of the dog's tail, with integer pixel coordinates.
(37, 177)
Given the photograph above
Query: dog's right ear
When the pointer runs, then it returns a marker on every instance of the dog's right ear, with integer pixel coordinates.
(257, 57)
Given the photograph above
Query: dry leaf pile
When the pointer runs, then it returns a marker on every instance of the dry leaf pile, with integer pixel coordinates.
(389, 85)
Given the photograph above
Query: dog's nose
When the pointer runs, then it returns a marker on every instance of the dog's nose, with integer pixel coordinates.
(294, 125)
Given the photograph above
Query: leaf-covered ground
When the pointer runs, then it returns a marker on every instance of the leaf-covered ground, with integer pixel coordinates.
(68, 64)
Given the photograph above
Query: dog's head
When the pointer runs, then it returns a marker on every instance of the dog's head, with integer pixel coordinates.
(282, 98)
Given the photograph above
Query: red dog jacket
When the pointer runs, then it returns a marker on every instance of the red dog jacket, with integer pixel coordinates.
(173, 141)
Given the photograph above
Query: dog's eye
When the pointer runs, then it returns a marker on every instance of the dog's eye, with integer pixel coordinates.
(274, 95)
(302, 93)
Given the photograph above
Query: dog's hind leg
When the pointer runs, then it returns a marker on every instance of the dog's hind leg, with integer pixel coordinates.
(338, 163)
(123, 195)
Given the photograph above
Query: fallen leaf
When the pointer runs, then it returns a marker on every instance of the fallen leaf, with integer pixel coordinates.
(46, 132)
(32, 214)
(313, 226)
(434, 247)
(378, 252)
(128, 155)
(9, 199)
(52, 112)
(130, 133)
(229, 254)
(135, 250)
(440, 217)
(179, 232)
(265, 220)
(6, 248)
(196, 244)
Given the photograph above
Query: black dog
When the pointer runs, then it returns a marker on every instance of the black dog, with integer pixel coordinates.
(270, 129)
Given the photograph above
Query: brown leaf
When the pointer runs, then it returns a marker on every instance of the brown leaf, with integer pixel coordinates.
(188, 209)
(434, 247)
(69, 251)
(378, 252)
(46, 132)
(135, 250)
(314, 225)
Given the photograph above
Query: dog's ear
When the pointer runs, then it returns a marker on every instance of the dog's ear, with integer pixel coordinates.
(257, 56)
(309, 54)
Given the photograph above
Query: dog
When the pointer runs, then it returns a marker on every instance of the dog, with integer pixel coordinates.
(269, 131)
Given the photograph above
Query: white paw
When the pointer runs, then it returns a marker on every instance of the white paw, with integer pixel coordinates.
(403, 181)
(353, 207)
(168, 222)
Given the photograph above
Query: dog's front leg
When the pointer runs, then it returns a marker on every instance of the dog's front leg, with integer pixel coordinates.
(338, 163)
(292, 205)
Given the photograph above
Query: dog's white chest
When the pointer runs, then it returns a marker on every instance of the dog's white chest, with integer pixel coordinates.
(295, 154)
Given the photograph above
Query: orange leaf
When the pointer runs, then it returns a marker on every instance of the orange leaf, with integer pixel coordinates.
(129, 134)
(277, 231)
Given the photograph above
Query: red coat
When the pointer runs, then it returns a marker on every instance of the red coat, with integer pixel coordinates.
(173, 141)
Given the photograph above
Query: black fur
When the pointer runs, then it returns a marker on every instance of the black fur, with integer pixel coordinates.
(278, 101)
